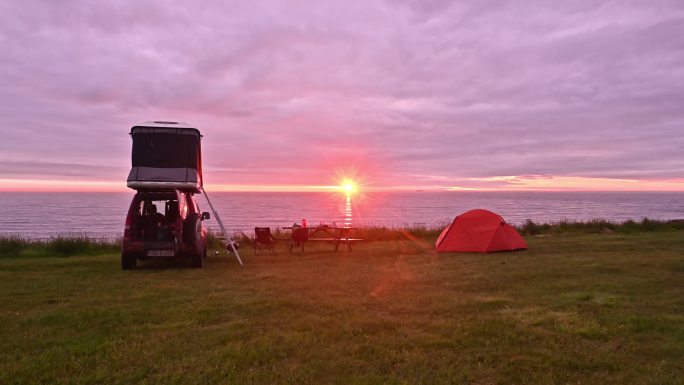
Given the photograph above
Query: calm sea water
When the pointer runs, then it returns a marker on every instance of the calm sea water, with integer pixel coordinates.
(103, 214)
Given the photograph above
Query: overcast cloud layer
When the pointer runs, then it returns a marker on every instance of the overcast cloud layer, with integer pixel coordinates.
(424, 93)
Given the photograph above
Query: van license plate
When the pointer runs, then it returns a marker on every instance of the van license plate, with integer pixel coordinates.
(160, 253)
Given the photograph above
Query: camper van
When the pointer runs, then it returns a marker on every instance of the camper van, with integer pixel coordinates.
(164, 219)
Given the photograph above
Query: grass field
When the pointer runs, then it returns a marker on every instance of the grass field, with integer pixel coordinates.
(574, 308)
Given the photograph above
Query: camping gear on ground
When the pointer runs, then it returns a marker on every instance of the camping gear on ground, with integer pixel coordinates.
(332, 234)
(264, 239)
(479, 231)
(299, 237)
(226, 239)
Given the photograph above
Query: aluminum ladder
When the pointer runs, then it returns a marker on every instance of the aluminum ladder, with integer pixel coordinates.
(227, 239)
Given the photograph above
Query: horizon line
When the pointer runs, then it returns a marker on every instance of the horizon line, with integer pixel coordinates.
(502, 184)
(373, 190)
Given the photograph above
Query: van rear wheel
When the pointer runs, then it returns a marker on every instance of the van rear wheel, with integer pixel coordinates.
(128, 261)
(198, 259)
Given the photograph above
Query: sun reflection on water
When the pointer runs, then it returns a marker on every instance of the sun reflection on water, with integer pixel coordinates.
(348, 211)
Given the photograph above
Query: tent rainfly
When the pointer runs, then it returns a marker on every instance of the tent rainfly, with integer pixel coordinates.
(479, 231)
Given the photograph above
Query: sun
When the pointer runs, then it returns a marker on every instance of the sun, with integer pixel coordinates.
(348, 186)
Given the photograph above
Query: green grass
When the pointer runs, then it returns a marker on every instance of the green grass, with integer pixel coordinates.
(574, 308)
(12, 246)
(600, 226)
(529, 227)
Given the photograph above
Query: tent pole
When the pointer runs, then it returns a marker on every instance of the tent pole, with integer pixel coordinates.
(228, 239)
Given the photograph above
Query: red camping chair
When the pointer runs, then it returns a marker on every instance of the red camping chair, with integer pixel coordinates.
(299, 236)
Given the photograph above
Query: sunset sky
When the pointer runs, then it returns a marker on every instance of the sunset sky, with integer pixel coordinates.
(297, 95)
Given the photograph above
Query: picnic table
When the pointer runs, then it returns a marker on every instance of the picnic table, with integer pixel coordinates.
(334, 234)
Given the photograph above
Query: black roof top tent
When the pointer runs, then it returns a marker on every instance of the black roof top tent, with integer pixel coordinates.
(166, 155)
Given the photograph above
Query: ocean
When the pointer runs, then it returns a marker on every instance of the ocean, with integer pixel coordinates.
(44, 215)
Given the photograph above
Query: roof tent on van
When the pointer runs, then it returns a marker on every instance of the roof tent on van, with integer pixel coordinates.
(166, 155)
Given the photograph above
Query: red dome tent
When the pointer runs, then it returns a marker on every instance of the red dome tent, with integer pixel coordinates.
(479, 231)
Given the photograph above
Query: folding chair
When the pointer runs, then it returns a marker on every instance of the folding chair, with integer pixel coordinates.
(299, 237)
(263, 239)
